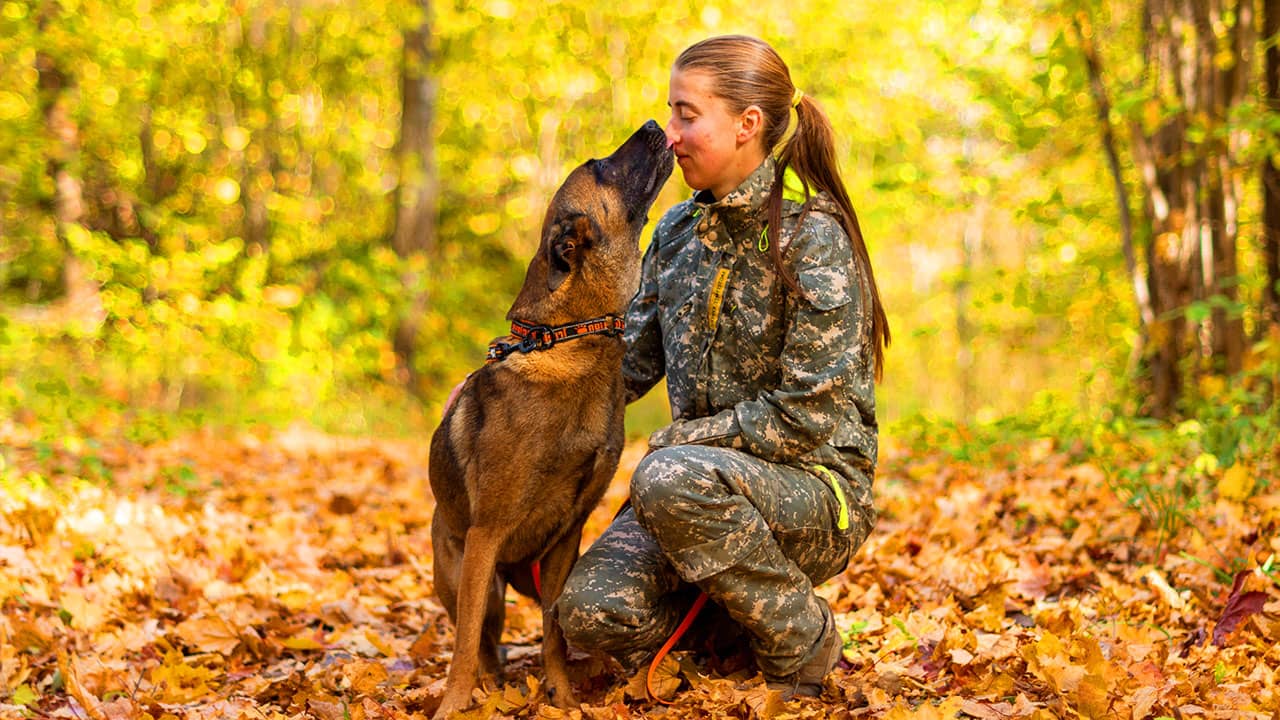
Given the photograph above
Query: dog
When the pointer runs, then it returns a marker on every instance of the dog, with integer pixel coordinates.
(533, 437)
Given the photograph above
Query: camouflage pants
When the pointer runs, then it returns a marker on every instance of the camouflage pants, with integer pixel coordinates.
(754, 536)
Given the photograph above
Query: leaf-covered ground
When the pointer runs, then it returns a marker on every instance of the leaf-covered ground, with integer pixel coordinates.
(289, 575)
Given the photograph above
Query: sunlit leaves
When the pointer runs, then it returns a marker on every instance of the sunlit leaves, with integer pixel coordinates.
(292, 570)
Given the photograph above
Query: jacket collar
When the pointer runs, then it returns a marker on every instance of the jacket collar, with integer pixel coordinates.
(738, 217)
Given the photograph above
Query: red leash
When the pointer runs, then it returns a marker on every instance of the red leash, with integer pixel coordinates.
(671, 642)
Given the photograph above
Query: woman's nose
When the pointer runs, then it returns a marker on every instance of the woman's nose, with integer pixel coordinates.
(672, 137)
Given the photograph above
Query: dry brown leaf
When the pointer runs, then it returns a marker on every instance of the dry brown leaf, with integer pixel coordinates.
(90, 704)
(208, 633)
(364, 676)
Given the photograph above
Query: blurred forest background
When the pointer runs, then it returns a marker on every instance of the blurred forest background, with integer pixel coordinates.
(267, 210)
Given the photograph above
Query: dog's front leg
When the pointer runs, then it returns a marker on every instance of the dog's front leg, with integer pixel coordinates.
(479, 558)
(556, 565)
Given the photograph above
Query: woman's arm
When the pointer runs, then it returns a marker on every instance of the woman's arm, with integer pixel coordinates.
(643, 365)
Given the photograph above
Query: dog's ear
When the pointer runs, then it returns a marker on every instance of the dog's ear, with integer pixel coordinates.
(561, 253)
(564, 251)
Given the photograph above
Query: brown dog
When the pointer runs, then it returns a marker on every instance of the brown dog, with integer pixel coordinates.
(533, 439)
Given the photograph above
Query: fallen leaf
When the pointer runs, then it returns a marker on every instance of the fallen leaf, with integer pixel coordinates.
(176, 681)
(364, 676)
(209, 634)
(1144, 698)
(341, 504)
(666, 678)
(1170, 595)
(91, 704)
(302, 642)
(764, 703)
(1236, 483)
(1240, 605)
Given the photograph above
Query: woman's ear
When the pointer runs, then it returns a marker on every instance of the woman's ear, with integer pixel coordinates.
(750, 123)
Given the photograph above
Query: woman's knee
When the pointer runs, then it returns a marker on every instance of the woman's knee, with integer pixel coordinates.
(590, 616)
(665, 481)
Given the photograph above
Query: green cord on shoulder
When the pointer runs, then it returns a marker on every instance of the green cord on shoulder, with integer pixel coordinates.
(793, 190)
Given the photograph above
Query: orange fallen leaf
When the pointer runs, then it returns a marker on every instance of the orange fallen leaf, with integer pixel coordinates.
(209, 633)
(364, 676)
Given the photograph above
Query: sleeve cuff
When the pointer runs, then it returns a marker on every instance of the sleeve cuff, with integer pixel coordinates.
(720, 430)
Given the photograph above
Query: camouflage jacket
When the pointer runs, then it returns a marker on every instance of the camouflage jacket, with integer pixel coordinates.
(750, 364)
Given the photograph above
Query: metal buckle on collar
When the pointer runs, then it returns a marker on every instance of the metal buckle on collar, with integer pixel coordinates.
(539, 337)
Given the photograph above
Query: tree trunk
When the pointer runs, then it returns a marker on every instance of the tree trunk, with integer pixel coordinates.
(256, 157)
(416, 197)
(1224, 69)
(417, 193)
(1191, 195)
(1271, 175)
(57, 89)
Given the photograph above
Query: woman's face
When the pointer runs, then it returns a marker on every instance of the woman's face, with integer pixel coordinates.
(713, 146)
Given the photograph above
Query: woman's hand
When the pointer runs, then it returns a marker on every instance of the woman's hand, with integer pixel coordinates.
(453, 396)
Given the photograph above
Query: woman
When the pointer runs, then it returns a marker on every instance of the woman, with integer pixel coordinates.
(758, 305)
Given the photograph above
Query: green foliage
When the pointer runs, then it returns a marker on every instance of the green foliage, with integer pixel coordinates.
(237, 168)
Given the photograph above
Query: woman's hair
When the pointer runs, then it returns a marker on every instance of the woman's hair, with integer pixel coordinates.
(746, 71)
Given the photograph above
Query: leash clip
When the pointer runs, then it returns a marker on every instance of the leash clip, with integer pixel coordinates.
(539, 337)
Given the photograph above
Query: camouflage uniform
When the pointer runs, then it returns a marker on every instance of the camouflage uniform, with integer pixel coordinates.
(761, 487)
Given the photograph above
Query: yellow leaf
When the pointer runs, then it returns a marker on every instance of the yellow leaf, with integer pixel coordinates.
(550, 712)
(177, 682)
(948, 709)
(1048, 660)
(90, 703)
(513, 698)
(302, 642)
(24, 695)
(364, 675)
(12, 107)
(1144, 698)
(1236, 483)
(382, 646)
(209, 634)
(1091, 696)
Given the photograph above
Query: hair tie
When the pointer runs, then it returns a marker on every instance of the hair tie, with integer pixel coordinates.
(796, 96)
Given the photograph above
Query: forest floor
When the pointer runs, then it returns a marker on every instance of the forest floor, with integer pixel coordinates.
(288, 574)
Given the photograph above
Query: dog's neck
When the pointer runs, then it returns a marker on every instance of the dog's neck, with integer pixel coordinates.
(576, 300)
(596, 356)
